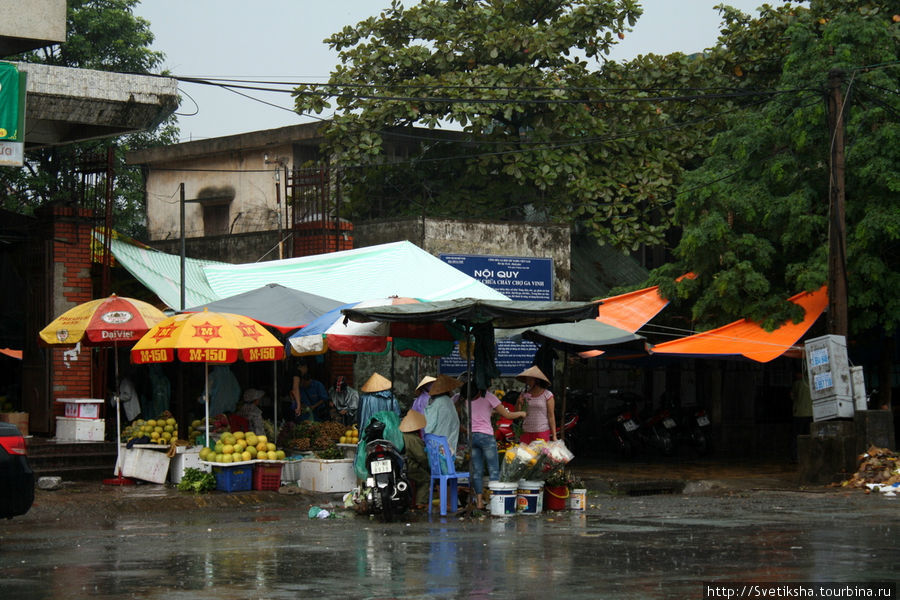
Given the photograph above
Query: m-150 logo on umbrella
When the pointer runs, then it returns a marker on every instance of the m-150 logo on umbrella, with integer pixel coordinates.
(207, 331)
(249, 331)
(164, 332)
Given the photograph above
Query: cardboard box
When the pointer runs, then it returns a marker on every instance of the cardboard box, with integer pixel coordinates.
(320, 475)
(82, 430)
(149, 465)
(19, 419)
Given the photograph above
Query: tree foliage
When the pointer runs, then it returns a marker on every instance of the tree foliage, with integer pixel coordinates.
(543, 134)
(755, 214)
(102, 35)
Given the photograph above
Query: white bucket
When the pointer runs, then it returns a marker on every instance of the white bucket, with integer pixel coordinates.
(578, 499)
(530, 497)
(503, 498)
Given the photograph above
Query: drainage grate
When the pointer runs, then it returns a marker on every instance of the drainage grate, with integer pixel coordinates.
(653, 491)
(649, 488)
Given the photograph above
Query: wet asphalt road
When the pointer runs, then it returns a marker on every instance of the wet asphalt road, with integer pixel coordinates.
(662, 546)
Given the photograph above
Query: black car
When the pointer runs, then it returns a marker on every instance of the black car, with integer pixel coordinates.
(16, 476)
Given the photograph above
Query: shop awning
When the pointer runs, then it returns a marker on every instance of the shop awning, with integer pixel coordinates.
(749, 339)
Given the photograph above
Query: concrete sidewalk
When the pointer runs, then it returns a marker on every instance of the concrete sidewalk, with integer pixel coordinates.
(637, 477)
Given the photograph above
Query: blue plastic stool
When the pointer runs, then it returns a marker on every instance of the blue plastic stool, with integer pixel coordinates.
(440, 460)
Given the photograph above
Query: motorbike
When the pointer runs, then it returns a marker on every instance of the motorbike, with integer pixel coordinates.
(698, 431)
(620, 423)
(386, 486)
(657, 431)
(692, 426)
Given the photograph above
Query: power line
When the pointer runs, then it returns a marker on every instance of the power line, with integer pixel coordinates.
(506, 101)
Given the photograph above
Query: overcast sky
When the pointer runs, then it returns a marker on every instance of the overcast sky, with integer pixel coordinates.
(281, 40)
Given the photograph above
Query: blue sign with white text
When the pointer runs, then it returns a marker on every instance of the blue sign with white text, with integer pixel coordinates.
(516, 277)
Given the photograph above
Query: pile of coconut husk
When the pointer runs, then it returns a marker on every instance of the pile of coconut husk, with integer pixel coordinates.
(878, 468)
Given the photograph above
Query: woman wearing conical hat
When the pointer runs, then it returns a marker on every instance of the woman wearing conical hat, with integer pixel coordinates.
(537, 401)
(375, 396)
(440, 414)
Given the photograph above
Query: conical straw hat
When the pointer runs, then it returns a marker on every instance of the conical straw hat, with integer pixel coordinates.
(376, 383)
(425, 381)
(533, 371)
(444, 384)
(412, 421)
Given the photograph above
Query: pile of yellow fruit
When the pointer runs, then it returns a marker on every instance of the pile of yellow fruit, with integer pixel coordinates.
(160, 431)
(351, 436)
(240, 446)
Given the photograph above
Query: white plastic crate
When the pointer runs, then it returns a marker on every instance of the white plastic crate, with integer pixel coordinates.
(82, 430)
(321, 475)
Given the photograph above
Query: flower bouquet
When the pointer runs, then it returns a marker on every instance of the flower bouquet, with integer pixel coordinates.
(552, 457)
(517, 462)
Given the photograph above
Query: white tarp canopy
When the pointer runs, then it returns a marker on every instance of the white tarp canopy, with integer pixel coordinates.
(395, 269)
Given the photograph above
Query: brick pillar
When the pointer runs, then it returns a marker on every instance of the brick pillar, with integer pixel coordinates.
(340, 364)
(69, 233)
(320, 237)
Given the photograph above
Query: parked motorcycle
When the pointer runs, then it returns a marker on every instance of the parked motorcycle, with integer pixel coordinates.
(698, 430)
(387, 487)
(692, 426)
(619, 423)
(657, 431)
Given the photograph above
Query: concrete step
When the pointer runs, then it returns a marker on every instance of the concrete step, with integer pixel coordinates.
(76, 472)
(71, 460)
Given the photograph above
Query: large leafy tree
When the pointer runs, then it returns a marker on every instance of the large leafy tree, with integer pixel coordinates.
(103, 35)
(755, 214)
(545, 133)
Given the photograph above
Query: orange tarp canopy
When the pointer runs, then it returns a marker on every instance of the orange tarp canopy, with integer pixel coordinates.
(749, 339)
(631, 311)
(11, 353)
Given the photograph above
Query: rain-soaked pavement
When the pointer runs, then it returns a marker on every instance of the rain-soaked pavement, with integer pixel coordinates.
(622, 546)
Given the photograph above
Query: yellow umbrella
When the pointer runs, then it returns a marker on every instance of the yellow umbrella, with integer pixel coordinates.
(207, 337)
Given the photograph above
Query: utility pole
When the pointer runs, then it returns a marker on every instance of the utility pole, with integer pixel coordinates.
(181, 187)
(837, 239)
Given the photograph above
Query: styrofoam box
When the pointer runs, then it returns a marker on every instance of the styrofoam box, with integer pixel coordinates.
(149, 465)
(84, 430)
(290, 472)
(189, 459)
(321, 475)
(83, 408)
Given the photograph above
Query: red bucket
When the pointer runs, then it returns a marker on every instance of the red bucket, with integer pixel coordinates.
(555, 497)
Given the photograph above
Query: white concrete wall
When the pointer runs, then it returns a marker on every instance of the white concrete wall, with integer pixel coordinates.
(254, 207)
